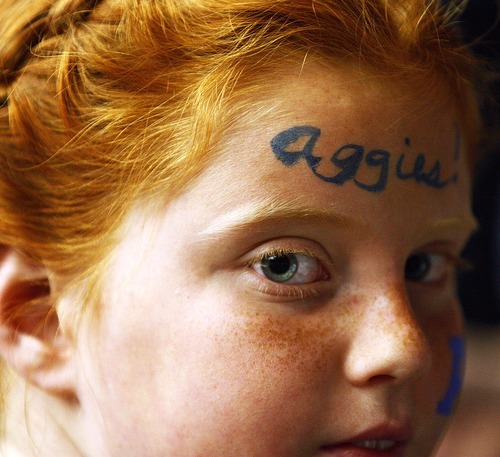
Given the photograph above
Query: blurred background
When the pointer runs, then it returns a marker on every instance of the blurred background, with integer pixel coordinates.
(475, 429)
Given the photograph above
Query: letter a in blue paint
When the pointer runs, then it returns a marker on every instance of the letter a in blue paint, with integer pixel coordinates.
(445, 406)
(282, 145)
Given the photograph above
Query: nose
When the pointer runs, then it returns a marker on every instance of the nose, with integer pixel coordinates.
(388, 342)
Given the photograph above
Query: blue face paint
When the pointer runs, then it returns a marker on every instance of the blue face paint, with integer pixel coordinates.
(299, 144)
(457, 346)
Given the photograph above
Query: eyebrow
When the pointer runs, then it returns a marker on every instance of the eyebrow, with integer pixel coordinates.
(254, 213)
(464, 222)
(266, 211)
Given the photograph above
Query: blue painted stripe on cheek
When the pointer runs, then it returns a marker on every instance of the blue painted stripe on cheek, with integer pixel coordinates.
(457, 346)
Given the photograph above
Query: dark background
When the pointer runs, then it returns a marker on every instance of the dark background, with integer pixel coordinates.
(480, 288)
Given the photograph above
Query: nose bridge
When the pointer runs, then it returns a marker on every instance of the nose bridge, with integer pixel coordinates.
(388, 342)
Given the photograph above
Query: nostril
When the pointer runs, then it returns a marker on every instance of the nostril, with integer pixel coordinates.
(382, 378)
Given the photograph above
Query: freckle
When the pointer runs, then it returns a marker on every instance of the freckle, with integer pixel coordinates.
(290, 343)
(414, 335)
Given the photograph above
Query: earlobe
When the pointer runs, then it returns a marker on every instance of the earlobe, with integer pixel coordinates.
(31, 340)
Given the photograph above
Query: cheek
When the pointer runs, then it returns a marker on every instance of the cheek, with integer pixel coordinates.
(254, 364)
(288, 345)
(199, 380)
(264, 376)
(261, 376)
(442, 330)
(453, 352)
(438, 392)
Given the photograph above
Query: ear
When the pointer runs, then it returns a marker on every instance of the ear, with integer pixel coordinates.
(31, 340)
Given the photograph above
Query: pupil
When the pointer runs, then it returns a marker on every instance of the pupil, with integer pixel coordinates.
(279, 265)
(279, 268)
(417, 267)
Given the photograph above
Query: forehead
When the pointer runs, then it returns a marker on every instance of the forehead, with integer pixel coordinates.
(346, 101)
(351, 105)
(318, 125)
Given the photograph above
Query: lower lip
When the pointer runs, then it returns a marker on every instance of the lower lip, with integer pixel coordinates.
(348, 450)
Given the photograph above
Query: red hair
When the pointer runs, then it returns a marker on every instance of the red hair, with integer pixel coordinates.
(105, 103)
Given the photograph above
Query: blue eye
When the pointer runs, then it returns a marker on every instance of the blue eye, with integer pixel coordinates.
(279, 268)
(426, 267)
(291, 268)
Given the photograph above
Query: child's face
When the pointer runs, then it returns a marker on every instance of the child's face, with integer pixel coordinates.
(285, 307)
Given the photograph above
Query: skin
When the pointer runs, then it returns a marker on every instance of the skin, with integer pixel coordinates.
(197, 353)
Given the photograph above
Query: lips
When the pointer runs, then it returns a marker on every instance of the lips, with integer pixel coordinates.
(380, 445)
(380, 441)
(371, 448)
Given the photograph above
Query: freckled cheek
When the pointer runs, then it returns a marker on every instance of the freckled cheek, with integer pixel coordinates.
(272, 372)
(281, 351)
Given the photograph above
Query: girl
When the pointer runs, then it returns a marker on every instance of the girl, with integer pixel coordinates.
(230, 228)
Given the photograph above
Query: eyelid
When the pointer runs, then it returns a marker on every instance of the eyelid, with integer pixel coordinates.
(288, 291)
(280, 251)
(458, 264)
(288, 245)
(456, 260)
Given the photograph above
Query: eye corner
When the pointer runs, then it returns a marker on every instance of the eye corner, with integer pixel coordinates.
(434, 266)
